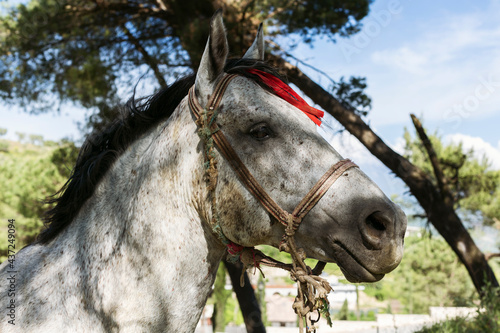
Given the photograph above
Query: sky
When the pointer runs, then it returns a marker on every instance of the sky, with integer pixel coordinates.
(437, 59)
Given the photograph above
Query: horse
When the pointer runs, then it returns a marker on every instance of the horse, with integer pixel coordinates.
(136, 235)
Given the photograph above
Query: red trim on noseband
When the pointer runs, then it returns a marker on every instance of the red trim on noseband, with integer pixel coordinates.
(285, 92)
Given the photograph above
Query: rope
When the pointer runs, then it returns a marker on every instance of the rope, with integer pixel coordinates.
(205, 132)
(312, 290)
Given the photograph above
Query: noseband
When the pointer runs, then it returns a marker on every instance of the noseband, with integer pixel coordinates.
(290, 220)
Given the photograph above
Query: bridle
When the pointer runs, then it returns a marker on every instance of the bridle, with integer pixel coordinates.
(290, 220)
(312, 290)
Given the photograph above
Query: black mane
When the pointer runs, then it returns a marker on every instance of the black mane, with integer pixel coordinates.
(101, 149)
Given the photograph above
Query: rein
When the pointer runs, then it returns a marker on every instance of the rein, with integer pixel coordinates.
(312, 289)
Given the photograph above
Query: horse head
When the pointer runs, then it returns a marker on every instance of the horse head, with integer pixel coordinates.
(354, 224)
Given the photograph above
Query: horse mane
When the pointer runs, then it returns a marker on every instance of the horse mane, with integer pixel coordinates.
(102, 148)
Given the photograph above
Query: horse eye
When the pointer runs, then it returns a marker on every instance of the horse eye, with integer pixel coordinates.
(261, 132)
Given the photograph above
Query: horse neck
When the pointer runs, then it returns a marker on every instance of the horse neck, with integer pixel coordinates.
(145, 222)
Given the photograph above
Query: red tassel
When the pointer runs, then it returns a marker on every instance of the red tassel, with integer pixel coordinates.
(285, 92)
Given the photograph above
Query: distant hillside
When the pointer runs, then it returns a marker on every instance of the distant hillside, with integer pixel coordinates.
(28, 174)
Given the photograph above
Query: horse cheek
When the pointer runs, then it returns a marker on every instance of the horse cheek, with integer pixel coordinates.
(240, 216)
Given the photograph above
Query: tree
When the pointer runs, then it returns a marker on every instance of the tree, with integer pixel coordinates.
(473, 185)
(253, 312)
(83, 52)
(344, 311)
(439, 280)
(261, 297)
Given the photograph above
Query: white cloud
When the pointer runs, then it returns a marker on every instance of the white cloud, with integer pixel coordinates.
(437, 70)
(441, 43)
(480, 147)
(402, 58)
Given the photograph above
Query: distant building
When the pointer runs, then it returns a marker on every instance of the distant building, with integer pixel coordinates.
(280, 312)
(281, 289)
(342, 292)
(414, 231)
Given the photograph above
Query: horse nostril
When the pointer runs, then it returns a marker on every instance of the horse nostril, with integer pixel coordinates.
(374, 230)
(376, 221)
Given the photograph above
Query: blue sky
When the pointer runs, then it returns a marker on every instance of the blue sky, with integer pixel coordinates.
(437, 59)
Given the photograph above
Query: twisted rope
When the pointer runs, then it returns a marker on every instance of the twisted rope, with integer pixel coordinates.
(312, 290)
(205, 131)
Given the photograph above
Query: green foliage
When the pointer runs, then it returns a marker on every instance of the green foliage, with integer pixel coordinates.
(64, 158)
(324, 310)
(85, 52)
(226, 307)
(311, 19)
(429, 275)
(486, 320)
(28, 174)
(381, 291)
(20, 136)
(232, 313)
(474, 185)
(352, 94)
(363, 316)
(456, 325)
(220, 298)
(344, 312)
(261, 298)
(45, 51)
(4, 144)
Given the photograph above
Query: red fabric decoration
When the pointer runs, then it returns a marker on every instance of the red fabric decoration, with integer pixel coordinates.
(285, 92)
(234, 248)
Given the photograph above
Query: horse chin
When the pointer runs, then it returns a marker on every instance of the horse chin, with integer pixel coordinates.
(352, 268)
(360, 274)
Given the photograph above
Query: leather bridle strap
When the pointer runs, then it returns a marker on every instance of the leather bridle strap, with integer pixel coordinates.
(308, 202)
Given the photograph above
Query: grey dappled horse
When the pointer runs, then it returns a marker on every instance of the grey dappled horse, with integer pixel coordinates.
(130, 247)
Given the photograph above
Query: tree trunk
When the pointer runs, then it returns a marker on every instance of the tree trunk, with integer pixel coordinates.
(441, 215)
(246, 298)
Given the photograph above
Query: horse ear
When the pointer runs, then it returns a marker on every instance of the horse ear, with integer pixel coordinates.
(256, 51)
(214, 57)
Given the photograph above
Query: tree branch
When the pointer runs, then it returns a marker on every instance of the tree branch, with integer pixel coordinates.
(152, 63)
(288, 55)
(438, 172)
(489, 256)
